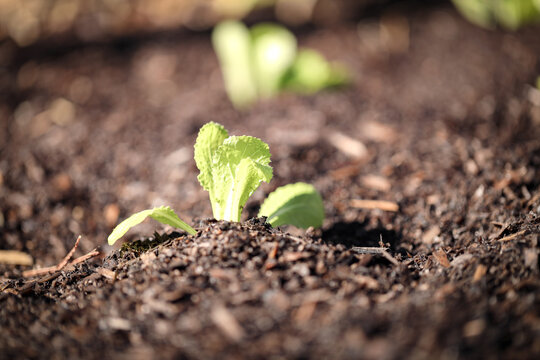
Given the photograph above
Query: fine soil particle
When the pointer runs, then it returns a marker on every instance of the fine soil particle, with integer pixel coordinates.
(443, 133)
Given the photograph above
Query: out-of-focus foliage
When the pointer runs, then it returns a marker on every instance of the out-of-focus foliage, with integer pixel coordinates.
(510, 14)
(263, 61)
(273, 52)
(28, 21)
(311, 73)
(232, 43)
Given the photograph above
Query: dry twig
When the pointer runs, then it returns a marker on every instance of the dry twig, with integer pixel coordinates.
(65, 261)
(50, 269)
(513, 236)
(376, 251)
(369, 250)
(375, 204)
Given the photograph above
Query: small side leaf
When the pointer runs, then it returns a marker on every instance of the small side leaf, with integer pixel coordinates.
(274, 50)
(297, 204)
(163, 214)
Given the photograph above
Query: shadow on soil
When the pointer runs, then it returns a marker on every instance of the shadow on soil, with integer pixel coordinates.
(356, 234)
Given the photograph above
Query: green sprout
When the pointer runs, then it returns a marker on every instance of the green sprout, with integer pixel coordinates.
(231, 169)
(263, 61)
(510, 14)
(163, 214)
(311, 73)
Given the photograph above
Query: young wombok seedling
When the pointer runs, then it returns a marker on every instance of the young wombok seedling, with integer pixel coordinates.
(263, 61)
(231, 169)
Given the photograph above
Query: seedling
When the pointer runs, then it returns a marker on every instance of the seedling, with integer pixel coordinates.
(231, 169)
(511, 14)
(264, 61)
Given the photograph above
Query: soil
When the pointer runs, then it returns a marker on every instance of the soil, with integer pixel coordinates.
(450, 131)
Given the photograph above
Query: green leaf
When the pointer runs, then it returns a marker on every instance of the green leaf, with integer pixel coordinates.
(515, 13)
(240, 165)
(210, 137)
(274, 50)
(476, 11)
(298, 204)
(163, 214)
(511, 14)
(311, 73)
(232, 43)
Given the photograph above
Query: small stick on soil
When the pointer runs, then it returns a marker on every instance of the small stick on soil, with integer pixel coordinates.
(106, 273)
(63, 263)
(69, 255)
(50, 269)
(376, 251)
(273, 253)
(85, 257)
(227, 323)
(14, 257)
(375, 204)
(347, 145)
(296, 238)
(513, 236)
(389, 257)
(369, 250)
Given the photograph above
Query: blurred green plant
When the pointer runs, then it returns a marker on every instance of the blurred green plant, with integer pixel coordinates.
(263, 61)
(311, 73)
(510, 14)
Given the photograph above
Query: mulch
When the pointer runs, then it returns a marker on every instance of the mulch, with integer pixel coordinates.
(430, 244)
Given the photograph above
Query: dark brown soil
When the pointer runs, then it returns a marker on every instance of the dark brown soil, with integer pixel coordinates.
(452, 131)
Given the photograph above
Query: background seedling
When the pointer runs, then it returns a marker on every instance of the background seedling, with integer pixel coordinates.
(264, 61)
(232, 44)
(273, 53)
(311, 73)
(510, 14)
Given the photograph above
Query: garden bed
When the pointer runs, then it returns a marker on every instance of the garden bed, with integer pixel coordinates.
(444, 127)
